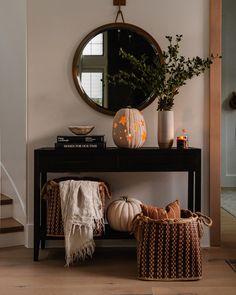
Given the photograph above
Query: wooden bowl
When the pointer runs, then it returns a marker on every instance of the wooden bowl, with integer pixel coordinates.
(81, 129)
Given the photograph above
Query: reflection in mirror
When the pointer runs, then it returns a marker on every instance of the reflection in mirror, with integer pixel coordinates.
(98, 56)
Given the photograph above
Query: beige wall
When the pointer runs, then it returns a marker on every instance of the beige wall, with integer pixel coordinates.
(13, 103)
(55, 28)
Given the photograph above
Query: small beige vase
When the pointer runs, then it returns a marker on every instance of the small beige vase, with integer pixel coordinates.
(165, 129)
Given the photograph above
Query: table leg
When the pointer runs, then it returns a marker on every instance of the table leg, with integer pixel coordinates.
(190, 190)
(43, 214)
(36, 208)
(198, 183)
(198, 188)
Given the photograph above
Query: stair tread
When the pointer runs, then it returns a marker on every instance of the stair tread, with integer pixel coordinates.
(8, 225)
(5, 200)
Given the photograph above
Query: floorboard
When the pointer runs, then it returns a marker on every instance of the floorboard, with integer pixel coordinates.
(112, 271)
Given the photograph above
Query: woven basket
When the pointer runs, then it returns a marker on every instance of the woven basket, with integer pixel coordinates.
(51, 195)
(170, 249)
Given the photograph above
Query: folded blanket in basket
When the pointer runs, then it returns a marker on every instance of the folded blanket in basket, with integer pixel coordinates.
(51, 194)
(81, 209)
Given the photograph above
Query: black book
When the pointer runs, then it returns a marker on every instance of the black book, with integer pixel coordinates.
(80, 139)
(81, 145)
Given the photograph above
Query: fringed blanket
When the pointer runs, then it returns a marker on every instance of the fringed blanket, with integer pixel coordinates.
(82, 211)
(51, 194)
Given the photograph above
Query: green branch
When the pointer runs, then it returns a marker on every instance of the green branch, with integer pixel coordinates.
(163, 79)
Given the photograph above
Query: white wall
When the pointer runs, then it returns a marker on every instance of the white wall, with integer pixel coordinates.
(228, 178)
(13, 102)
(55, 29)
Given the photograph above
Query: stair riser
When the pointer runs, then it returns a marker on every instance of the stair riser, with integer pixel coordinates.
(12, 239)
(6, 211)
(5, 200)
(11, 231)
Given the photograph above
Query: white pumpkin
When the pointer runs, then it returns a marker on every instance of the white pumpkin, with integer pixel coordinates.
(129, 128)
(120, 213)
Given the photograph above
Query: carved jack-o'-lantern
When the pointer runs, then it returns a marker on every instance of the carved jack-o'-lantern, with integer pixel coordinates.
(129, 128)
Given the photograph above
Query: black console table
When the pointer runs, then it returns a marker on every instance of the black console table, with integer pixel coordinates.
(47, 160)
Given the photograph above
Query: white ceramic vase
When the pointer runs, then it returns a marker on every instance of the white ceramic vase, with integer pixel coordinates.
(165, 129)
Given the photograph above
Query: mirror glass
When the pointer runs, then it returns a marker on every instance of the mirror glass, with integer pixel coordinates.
(97, 56)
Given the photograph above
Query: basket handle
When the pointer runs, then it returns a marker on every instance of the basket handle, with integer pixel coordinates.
(136, 226)
(204, 219)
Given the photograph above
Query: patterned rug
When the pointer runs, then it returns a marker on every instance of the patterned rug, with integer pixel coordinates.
(231, 263)
(228, 200)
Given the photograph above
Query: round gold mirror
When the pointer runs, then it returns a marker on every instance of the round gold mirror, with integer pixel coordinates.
(98, 56)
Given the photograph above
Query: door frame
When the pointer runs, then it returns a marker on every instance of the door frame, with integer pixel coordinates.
(215, 120)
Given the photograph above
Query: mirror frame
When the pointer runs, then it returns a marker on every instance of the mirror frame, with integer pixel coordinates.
(76, 71)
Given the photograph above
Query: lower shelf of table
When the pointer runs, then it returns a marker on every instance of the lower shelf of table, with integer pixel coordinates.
(108, 235)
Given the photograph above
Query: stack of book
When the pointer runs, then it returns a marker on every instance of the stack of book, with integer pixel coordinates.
(80, 141)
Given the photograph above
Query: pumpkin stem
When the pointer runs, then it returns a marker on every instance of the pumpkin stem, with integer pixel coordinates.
(125, 198)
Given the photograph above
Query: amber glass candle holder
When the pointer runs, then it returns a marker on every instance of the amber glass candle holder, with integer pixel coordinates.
(182, 142)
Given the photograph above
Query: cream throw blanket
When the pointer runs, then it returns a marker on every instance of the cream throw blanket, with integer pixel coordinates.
(81, 209)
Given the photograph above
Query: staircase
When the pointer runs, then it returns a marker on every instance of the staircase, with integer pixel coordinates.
(11, 231)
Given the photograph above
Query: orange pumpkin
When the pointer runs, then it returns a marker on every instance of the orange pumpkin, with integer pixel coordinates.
(129, 128)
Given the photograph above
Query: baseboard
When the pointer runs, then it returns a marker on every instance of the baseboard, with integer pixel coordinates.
(29, 235)
(205, 240)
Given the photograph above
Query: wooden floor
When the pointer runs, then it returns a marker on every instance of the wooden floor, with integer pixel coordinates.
(112, 271)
